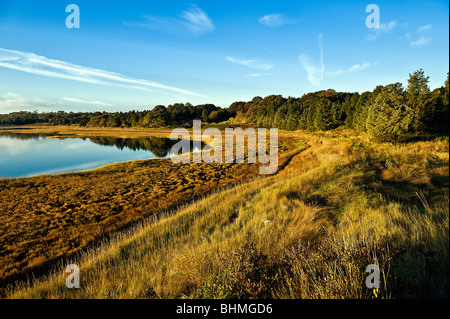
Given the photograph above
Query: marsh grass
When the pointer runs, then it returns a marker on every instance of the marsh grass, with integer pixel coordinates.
(308, 232)
(47, 218)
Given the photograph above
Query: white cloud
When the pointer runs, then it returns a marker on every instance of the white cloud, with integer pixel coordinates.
(158, 23)
(76, 100)
(194, 20)
(422, 41)
(276, 20)
(354, 68)
(424, 28)
(387, 27)
(418, 39)
(11, 100)
(253, 64)
(197, 20)
(258, 75)
(40, 65)
(315, 72)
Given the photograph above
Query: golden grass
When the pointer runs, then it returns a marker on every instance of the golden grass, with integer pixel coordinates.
(307, 232)
(46, 218)
(79, 131)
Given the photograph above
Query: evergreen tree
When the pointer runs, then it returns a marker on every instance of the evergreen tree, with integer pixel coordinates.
(359, 118)
(390, 118)
(420, 99)
(323, 117)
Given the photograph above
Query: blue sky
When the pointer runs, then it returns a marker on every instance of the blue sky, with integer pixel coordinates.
(136, 54)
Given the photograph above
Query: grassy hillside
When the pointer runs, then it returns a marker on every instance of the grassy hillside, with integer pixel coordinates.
(308, 232)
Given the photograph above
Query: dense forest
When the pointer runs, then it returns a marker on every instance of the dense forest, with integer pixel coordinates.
(390, 113)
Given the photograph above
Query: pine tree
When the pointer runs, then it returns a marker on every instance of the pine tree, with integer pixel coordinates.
(323, 117)
(361, 108)
(390, 118)
(420, 99)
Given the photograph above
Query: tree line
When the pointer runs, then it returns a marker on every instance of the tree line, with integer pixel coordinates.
(178, 114)
(390, 113)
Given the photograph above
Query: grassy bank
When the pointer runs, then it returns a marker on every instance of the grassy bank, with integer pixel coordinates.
(308, 232)
(46, 218)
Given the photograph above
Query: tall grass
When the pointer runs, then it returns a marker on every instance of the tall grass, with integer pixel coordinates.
(308, 232)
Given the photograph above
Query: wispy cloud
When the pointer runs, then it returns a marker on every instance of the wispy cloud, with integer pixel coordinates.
(11, 100)
(197, 20)
(421, 42)
(419, 39)
(76, 100)
(424, 28)
(276, 20)
(384, 28)
(388, 27)
(315, 72)
(194, 20)
(253, 64)
(354, 68)
(258, 75)
(40, 65)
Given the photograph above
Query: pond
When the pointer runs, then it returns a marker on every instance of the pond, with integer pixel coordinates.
(24, 155)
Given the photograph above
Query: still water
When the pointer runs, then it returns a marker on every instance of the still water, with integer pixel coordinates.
(23, 155)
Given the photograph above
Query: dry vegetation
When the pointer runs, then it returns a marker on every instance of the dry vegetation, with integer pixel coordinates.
(45, 218)
(308, 232)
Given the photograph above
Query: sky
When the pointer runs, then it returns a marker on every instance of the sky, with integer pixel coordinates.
(134, 54)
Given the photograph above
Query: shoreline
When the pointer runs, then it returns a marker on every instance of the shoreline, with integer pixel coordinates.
(77, 131)
(64, 131)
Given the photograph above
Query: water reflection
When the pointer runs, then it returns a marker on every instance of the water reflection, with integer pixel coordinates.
(23, 154)
(158, 146)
